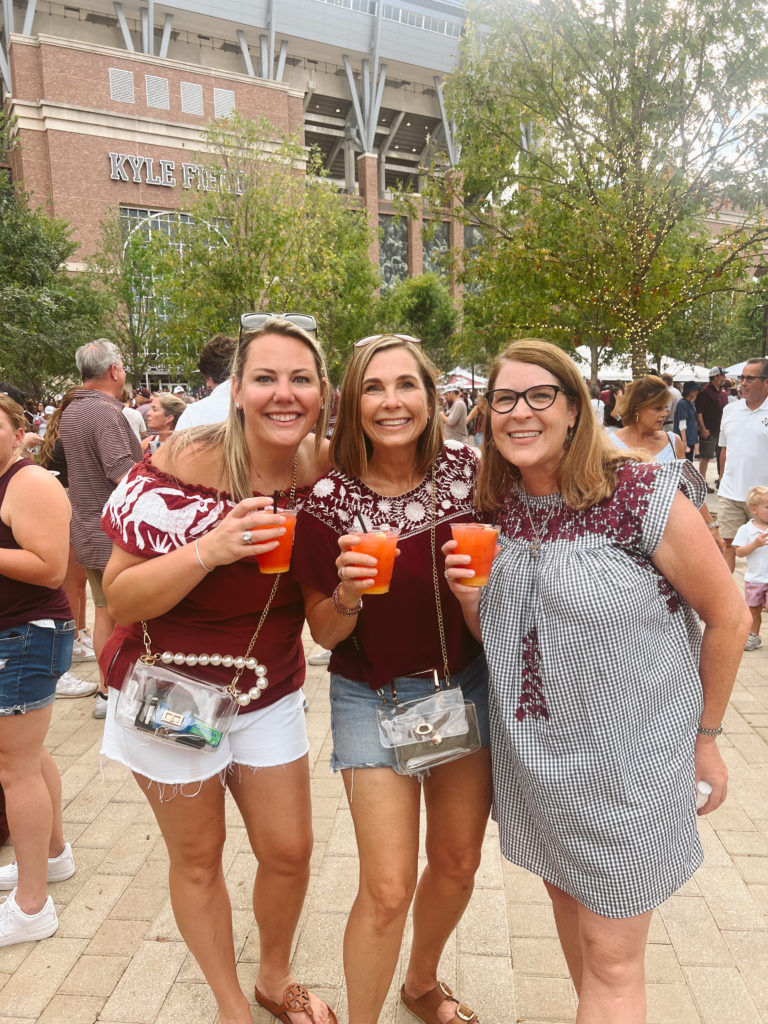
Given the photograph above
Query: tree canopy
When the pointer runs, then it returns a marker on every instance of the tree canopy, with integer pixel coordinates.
(596, 137)
(44, 312)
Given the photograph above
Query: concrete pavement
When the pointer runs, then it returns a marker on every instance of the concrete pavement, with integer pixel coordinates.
(117, 957)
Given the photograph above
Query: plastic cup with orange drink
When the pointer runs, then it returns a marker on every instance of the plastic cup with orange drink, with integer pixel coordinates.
(382, 544)
(478, 540)
(279, 558)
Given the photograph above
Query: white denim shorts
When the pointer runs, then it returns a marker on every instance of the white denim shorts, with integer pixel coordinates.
(260, 739)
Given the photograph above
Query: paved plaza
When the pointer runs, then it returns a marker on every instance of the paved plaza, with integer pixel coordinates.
(118, 958)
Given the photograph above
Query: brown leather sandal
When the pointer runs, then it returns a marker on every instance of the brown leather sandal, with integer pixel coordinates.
(425, 1007)
(295, 1000)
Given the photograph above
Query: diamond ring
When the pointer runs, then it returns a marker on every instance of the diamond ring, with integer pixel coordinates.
(246, 537)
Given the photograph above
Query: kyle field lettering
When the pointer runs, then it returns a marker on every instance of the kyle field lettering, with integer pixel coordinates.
(141, 171)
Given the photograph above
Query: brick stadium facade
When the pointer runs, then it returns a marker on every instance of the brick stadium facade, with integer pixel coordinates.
(110, 107)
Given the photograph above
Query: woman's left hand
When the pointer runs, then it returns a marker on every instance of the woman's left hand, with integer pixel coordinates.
(710, 767)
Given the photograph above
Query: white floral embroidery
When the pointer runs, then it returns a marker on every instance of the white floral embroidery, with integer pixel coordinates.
(343, 514)
(459, 489)
(446, 503)
(385, 507)
(323, 488)
(415, 511)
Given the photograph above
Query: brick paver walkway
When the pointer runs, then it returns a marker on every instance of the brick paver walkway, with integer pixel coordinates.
(117, 956)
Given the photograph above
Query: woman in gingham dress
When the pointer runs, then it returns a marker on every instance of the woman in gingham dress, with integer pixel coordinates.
(605, 697)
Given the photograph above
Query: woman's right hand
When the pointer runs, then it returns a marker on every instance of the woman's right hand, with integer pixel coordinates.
(224, 544)
(456, 570)
(356, 570)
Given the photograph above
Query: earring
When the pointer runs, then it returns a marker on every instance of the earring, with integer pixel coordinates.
(237, 405)
(569, 436)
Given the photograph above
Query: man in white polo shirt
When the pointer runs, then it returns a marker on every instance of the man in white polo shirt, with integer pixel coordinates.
(744, 444)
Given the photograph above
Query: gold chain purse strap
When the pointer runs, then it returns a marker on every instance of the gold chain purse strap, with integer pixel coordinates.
(438, 603)
(241, 661)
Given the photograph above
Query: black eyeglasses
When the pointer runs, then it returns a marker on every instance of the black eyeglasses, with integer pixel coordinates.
(375, 337)
(255, 321)
(749, 376)
(537, 398)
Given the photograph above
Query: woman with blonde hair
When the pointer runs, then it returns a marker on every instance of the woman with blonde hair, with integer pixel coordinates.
(606, 700)
(391, 466)
(163, 415)
(186, 524)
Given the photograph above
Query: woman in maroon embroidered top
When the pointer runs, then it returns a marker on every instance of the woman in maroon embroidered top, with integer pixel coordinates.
(184, 528)
(605, 698)
(36, 636)
(388, 455)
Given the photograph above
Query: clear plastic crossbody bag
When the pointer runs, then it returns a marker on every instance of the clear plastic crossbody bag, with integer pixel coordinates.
(432, 730)
(169, 705)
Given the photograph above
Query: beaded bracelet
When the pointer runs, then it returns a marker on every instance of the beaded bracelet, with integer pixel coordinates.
(709, 732)
(342, 609)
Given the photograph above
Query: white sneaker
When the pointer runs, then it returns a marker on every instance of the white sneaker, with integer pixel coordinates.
(82, 649)
(70, 685)
(16, 926)
(321, 658)
(99, 706)
(59, 869)
(753, 642)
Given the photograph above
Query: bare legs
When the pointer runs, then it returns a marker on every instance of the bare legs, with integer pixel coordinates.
(279, 796)
(274, 803)
(32, 788)
(103, 624)
(605, 958)
(194, 832)
(386, 809)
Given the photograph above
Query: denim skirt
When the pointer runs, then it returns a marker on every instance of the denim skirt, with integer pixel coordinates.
(32, 658)
(354, 724)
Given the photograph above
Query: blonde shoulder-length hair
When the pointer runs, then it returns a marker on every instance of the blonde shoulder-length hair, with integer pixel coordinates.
(350, 447)
(587, 473)
(229, 436)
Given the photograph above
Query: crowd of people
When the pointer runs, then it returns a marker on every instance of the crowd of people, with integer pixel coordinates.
(579, 694)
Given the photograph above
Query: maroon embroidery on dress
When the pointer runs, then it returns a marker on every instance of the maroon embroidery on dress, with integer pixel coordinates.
(619, 517)
(669, 594)
(532, 700)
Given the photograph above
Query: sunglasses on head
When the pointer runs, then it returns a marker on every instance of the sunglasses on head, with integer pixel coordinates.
(255, 321)
(376, 337)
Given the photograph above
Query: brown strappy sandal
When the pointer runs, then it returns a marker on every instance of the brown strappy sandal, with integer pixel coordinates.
(425, 1007)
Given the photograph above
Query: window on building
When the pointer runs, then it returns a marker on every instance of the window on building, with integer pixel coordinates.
(192, 98)
(393, 249)
(436, 245)
(120, 85)
(157, 92)
(223, 102)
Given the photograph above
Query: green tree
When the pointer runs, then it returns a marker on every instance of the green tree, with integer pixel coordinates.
(267, 232)
(45, 313)
(595, 137)
(422, 306)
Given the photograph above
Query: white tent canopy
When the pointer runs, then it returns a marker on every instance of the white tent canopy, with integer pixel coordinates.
(620, 368)
(463, 379)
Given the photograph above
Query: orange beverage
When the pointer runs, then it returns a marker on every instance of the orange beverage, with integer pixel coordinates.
(382, 544)
(279, 558)
(478, 540)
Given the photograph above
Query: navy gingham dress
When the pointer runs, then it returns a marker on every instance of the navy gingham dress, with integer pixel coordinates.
(595, 695)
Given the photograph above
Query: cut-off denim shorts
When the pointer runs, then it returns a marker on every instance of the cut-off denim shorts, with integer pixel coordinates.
(354, 724)
(32, 658)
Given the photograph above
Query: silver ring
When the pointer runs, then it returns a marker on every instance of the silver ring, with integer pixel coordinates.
(447, 577)
(342, 575)
(247, 537)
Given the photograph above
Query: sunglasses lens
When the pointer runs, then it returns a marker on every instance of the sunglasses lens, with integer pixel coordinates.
(302, 320)
(253, 321)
